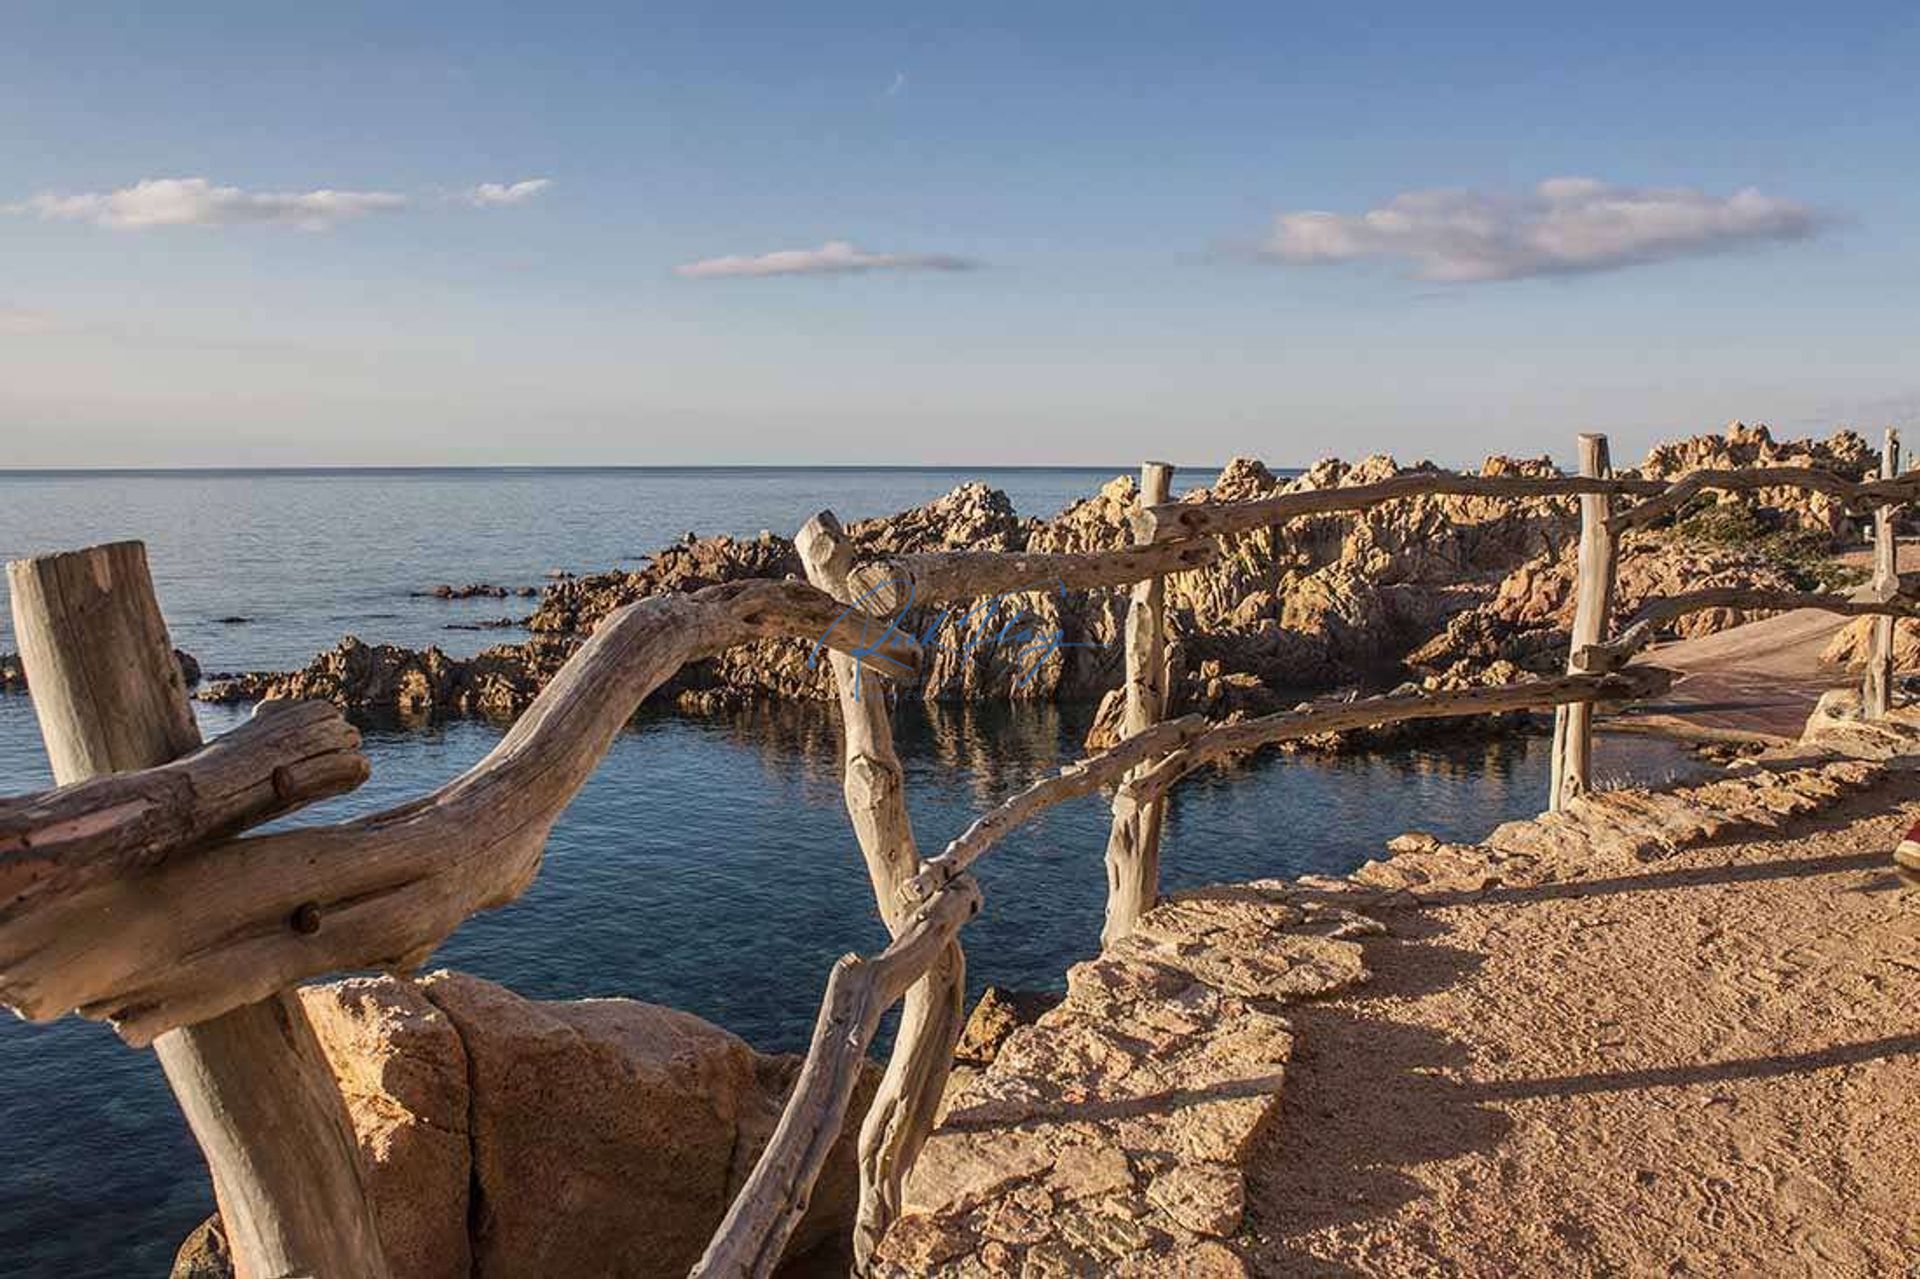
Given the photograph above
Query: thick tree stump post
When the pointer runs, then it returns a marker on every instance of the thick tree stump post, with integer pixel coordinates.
(909, 1096)
(1592, 612)
(1133, 845)
(254, 1086)
(1876, 695)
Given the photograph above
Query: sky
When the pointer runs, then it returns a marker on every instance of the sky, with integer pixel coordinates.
(1036, 233)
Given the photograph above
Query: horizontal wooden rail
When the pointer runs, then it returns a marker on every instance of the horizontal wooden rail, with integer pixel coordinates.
(1649, 620)
(859, 991)
(231, 922)
(288, 755)
(886, 586)
(1177, 521)
(1857, 495)
(1176, 747)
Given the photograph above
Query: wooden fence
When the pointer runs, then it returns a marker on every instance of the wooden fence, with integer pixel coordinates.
(130, 893)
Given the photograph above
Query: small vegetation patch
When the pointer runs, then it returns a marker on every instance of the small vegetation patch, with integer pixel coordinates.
(1803, 554)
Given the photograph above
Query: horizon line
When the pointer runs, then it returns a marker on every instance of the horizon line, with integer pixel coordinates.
(336, 468)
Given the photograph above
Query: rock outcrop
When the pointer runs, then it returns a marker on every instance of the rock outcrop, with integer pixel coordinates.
(1849, 646)
(1429, 583)
(506, 1137)
(382, 679)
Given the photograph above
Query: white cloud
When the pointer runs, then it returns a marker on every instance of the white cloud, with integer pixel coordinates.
(162, 202)
(836, 257)
(493, 194)
(1565, 225)
(21, 322)
(899, 83)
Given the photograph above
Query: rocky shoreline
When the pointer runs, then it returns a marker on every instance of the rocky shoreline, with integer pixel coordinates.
(1440, 592)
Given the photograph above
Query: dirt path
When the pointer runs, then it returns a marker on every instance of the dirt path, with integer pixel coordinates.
(1757, 682)
(1706, 1064)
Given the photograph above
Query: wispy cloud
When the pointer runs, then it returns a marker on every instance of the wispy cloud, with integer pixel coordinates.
(1563, 226)
(167, 202)
(836, 257)
(899, 83)
(177, 202)
(493, 194)
(20, 321)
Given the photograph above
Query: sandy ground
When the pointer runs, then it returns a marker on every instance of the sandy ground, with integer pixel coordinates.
(1757, 682)
(1704, 1065)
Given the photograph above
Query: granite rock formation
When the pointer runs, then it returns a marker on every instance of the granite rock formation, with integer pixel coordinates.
(1425, 586)
(506, 1137)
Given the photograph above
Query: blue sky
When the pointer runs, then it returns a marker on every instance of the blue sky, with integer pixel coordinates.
(1111, 176)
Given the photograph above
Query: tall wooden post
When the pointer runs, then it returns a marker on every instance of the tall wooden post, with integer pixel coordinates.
(255, 1088)
(1133, 845)
(909, 1095)
(1592, 612)
(1876, 695)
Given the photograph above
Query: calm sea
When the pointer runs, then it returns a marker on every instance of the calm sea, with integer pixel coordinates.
(708, 864)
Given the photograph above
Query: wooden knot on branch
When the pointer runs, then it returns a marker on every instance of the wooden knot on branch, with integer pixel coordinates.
(306, 918)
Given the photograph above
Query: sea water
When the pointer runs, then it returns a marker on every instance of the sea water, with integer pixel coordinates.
(708, 864)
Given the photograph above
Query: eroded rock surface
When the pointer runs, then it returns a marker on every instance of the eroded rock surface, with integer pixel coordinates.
(1444, 586)
(507, 1137)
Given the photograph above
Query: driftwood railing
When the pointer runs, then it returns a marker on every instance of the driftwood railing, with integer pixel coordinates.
(130, 894)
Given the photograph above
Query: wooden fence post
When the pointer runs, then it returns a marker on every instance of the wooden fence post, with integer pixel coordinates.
(1133, 845)
(255, 1088)
(1876, 695)
(1592, 613)
(909, 1095)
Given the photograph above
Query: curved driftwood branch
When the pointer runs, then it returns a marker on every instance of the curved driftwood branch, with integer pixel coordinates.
(889, 585)
(904, 1105)
(1167, 752)
(1229, 740)
(232, 922)
(288, 755)
(1647, 623)
(763, 1215)
(1858, 496)
(1176, 521)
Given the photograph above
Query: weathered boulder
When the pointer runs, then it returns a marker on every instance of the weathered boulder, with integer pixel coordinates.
(403, 1070)
(1848, 648)
(204, 1254)
(505, 1137)
(1741, 446)
(996, 1016)
(1529, 620)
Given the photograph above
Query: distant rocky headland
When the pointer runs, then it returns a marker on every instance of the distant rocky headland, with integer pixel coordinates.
(1441, 591)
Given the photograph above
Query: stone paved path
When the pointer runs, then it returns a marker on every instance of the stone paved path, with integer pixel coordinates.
(1548, 1053)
